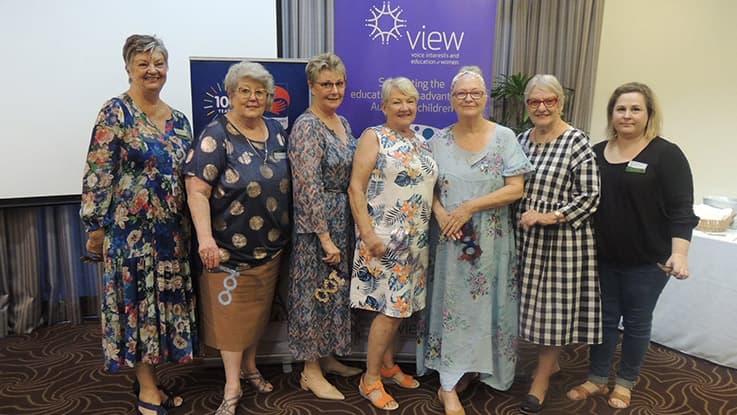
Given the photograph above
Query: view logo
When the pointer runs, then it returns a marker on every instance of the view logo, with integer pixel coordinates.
(386, 22)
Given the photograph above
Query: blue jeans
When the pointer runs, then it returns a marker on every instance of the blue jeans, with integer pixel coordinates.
(629, 292)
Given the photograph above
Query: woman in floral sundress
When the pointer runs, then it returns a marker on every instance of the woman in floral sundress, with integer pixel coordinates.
(133, 207)
(391, 194)
(470, 326)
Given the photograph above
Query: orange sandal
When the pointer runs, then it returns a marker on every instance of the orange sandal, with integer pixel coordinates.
(385, 401)
(579, 393)
(395, 374)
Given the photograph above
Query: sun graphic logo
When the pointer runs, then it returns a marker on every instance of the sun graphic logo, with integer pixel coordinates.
(215, 101)
(385, 23)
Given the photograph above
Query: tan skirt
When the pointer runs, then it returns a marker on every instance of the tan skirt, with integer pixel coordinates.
(235, 310)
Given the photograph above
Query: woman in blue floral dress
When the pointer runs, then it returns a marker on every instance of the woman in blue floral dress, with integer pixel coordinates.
(133, 207)
(391, 195)
(321, 151)
(470, 325)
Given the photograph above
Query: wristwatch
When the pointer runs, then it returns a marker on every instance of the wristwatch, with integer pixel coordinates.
(558, 216)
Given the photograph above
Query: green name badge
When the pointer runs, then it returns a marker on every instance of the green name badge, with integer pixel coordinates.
(636, 167)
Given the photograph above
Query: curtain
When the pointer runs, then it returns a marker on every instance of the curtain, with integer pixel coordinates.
(42, 280)
(306, 27)
(559, 37)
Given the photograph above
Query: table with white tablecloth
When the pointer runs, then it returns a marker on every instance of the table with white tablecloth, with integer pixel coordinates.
(698, 316)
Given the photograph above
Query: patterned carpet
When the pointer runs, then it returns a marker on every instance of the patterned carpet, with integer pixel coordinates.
(57, 370)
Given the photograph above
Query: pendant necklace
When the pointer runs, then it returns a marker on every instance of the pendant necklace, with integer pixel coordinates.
(250, 143)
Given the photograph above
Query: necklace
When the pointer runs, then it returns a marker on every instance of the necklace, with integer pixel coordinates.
(250, 142)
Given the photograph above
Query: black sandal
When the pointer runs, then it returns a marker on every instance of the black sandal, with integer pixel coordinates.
(531, 405)
(257, 380)
(160, 410)
(168, 403)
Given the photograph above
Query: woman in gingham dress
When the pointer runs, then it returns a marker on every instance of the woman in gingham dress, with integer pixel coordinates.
(559, 293)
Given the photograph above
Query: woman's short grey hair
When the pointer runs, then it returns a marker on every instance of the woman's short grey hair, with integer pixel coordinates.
(547, 83)
(323, 62)
(467, 71)
(404, 85)
(136, 44)
(253, 70)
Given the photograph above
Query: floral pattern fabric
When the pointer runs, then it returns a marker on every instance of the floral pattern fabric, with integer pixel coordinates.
(134, 190)
(319, 321)
(470, 324)
(399, 195)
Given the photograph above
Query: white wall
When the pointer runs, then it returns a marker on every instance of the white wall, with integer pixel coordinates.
(686, 51)
(62, 59)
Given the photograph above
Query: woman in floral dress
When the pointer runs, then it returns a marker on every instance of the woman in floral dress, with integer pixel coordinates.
(391, 194)
(321, 150)
(133, 207)
(470, 325)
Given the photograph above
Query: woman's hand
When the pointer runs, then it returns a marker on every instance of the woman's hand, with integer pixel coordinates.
(209, 253)
(532, 217)
(444, 218)
(374, 244)
(332, 253)
(677, 266)
(455, 221)
(95, 240)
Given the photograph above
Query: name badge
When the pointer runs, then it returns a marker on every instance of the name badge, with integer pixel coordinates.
(636, 167)
(280, 155)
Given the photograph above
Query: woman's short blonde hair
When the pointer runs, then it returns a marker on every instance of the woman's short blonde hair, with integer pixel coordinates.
(404, 85)
(654, 116)
(323, 62)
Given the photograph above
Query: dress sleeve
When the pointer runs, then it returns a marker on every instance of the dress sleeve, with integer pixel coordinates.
(207, 158)
(674, 175)
(102, 164)
(585, 187)
(306, 150)
(515, 161)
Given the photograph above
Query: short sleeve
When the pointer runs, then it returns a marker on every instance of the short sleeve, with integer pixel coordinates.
(515, 161)
(208, 157)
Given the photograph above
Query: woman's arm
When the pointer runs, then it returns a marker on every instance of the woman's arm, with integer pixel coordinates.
(100, 171)
(364, 161)
(306, 151)
(198, 199)
(511, 191)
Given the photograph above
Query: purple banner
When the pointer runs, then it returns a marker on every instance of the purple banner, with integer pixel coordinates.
(423, 40)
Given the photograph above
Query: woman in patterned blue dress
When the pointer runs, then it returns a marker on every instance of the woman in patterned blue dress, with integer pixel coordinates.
(321, 149)
(238, 190)
(470, 325)
(133, 207)
(391, 195)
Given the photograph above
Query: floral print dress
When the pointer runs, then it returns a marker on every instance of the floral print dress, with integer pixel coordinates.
(470, 324)
(319, 321)
(133, 189)
(399, 195)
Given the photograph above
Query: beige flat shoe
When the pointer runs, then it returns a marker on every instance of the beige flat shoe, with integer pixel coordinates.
(345, 371)
(449, 411)
(320, 388)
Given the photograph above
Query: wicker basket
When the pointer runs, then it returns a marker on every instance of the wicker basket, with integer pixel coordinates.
(712, 225)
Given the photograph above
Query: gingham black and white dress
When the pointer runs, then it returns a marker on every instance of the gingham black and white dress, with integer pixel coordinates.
(559, 294)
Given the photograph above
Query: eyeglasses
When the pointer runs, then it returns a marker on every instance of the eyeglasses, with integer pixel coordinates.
(475, 95)
(258, 93)
(548, 102)
(329, 85)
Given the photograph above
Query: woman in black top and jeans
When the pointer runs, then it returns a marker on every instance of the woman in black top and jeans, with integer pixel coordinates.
(643, 231)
